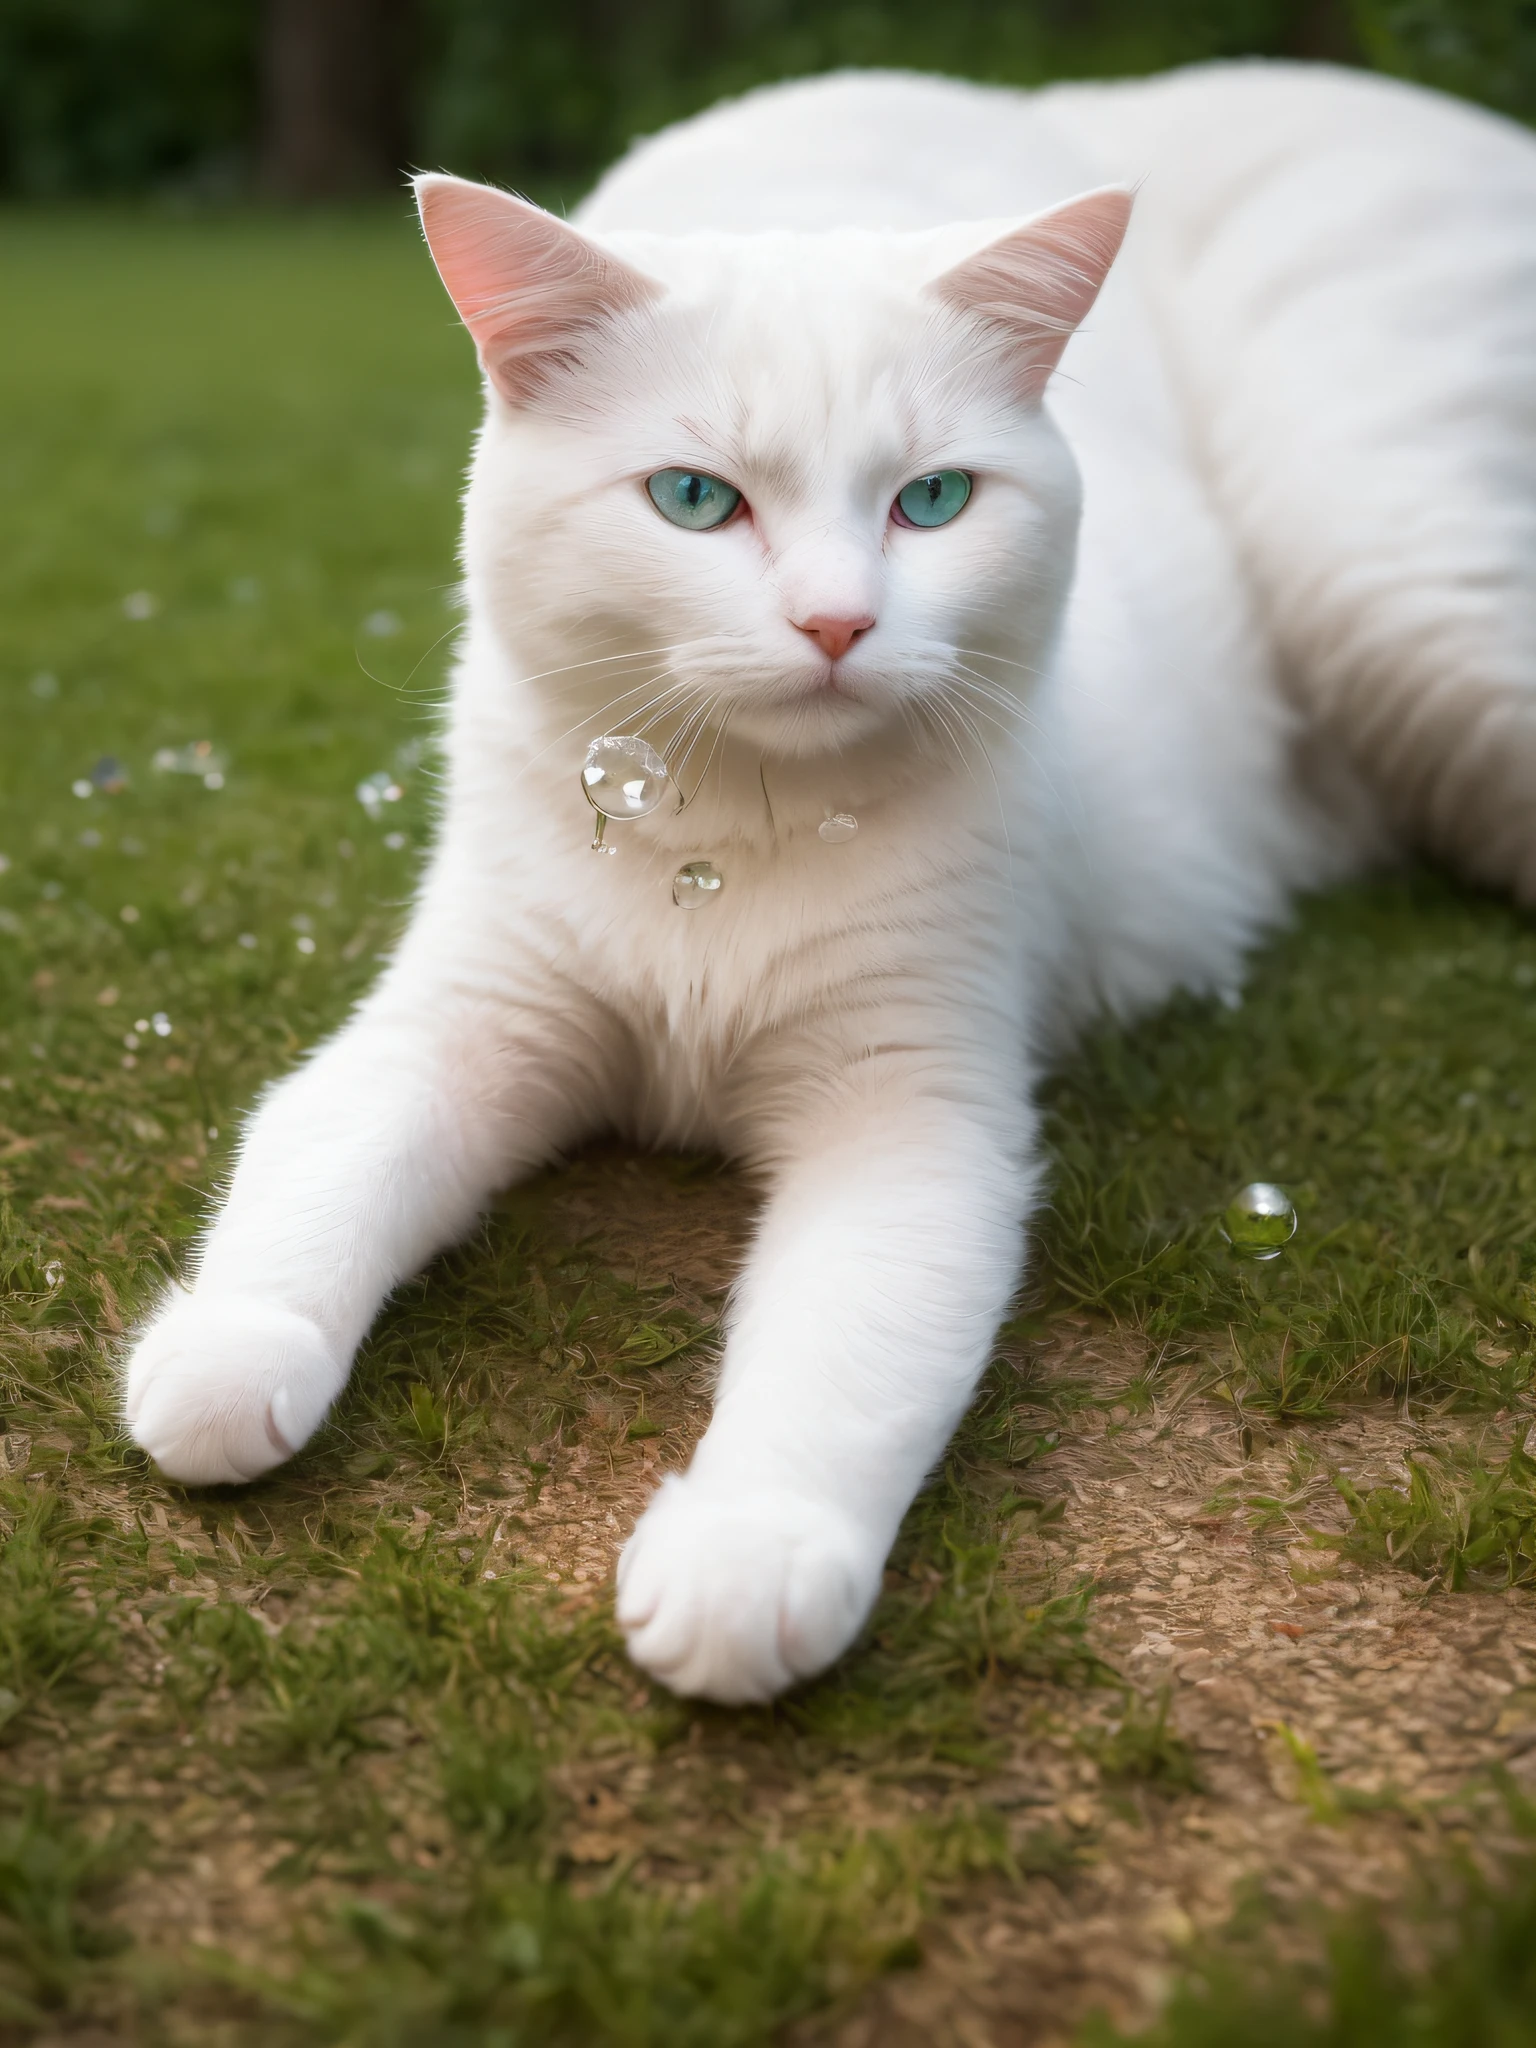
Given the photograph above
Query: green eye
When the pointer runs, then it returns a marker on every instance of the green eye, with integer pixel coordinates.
(932, 500)
(689, 499)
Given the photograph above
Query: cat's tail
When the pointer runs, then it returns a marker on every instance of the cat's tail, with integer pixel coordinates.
(1345, 270)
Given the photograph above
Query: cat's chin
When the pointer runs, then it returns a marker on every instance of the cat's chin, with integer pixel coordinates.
(802, 727)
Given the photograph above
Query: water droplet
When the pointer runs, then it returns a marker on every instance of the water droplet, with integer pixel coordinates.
(837, 828)
(131, 1040)
(377, 790)
(199, 757)
(305, 944)
(160, 1024)
(383, 625)
(623, 778)
(141, 1023)
(129, 914)
(695, 883)
(81, 786)
(248, 940)
(1259, 1221)
(213, 1130)
(53, 1272)
(394, 841)
(140, 604)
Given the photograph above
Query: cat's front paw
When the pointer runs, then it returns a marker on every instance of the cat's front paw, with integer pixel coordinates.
(733, 1599)
(221, 1390)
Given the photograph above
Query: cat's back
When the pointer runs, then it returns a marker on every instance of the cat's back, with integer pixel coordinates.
(854, 149)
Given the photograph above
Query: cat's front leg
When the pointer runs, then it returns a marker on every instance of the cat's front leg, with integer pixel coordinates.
(887, 1255)
(353, 1172)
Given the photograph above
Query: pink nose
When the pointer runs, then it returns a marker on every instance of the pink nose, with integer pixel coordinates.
(834, 636)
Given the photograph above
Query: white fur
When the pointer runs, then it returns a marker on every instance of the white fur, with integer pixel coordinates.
(1075, 791)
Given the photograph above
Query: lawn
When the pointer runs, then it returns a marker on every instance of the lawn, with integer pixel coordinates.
(1206, 1671)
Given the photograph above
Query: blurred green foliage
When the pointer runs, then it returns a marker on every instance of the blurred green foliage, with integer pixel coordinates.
(129, 95)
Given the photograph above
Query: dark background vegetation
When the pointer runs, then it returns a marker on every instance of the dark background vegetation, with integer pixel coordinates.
(329, 98)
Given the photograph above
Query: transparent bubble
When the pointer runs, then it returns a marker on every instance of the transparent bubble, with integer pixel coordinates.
(696, 883)
(199, 757)
(838, 828)
(624, 777)
(1259, 1221)
(377, 790)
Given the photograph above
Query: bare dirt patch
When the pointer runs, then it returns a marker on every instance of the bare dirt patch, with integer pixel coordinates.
(1341, 1719)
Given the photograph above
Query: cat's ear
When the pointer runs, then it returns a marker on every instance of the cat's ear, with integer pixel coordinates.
(1036, 283)
(527, 286)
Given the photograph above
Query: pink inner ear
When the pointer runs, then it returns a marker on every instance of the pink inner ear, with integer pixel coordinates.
(1038, 282)
(525, 285)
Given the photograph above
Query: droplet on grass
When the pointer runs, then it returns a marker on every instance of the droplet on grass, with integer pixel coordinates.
(1259, 1221)
(382, 625)
(140, 604)
(81, 786)
(129, 913)
(160, 1024)
(377, 790)
(394, 841)
(198, 757)
(305, 943)
(131, 1040)
(248, 940)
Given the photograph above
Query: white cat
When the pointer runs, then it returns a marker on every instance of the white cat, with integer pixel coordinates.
(765, 476)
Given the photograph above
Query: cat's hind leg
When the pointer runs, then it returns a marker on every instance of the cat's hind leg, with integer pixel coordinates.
(1346, 269)
(354, 1170)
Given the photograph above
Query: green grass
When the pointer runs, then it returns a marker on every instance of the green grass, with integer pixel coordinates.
(1380, 1068)
(1461, 1975)
(261, 424)
(1463, 1515)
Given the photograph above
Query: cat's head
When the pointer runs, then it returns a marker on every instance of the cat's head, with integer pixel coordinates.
(801, 480)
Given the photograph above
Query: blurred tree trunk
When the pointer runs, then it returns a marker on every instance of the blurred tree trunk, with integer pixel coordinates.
(335, 103)
(1325, 31)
